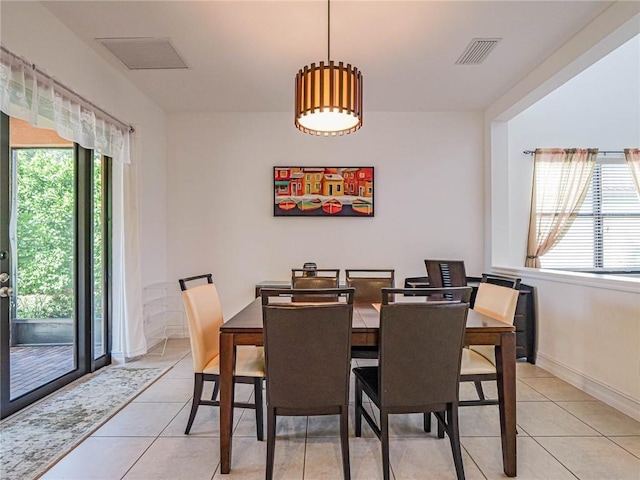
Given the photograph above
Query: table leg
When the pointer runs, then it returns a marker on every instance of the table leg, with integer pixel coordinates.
(506, 369)
(227, 361)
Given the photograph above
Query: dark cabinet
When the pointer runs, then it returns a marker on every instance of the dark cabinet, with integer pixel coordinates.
(525, 323)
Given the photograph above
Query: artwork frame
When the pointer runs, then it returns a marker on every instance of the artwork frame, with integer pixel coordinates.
(323, 191)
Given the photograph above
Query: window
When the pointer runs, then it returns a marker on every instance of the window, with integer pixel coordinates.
(605, 236)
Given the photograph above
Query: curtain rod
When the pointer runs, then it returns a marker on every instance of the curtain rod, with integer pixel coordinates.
(67, 89)
(601, 152)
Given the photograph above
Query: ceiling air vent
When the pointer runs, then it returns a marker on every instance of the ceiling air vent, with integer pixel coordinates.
(144, 53)
(477, 51)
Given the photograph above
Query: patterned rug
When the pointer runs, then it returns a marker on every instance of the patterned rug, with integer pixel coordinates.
(32, 440)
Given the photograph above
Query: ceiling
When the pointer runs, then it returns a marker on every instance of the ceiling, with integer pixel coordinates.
(243, 55)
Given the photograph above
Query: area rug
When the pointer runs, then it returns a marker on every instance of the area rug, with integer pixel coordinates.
(34, 439)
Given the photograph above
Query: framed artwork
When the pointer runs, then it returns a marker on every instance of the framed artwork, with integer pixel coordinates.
(323, 191)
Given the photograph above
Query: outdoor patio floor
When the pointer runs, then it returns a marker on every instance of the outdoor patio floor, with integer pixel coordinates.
(34, 366)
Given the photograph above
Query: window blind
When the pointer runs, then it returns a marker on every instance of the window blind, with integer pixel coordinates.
(606, 232)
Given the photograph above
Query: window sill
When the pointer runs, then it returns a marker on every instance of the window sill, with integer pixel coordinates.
(621, 283)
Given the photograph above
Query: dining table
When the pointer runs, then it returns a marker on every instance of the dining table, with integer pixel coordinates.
(245, 328)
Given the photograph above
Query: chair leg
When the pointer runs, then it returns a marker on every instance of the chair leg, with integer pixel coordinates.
(216, 389)
(427, 422)
(479, 390)
(440, 425)
(358, 409)
(454, 437)
(344, 441)
(384, 440)
(257, 387)
(198, 382)
(271, 441)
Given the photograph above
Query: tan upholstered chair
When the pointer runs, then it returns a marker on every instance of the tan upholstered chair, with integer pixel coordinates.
(419, 366)
(496, 300)
(368, 284)
(204, 315)
(307, 350)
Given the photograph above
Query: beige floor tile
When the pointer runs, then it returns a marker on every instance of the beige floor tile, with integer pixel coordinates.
(182, 369)
(329, 426)
(246, 422)
(249, 460)
(534, 462)
(140, 420)
(524, 393)
(427, 457)
(525, 369)
(630, 444)
(174, 390)
(603, 418)
(548, 419)
(557, 390)
(171, 356)
(365, 458)
(323, 458)
(593, 458)
(483, 421)
(103, 458)
(173, 458)
(206, 423)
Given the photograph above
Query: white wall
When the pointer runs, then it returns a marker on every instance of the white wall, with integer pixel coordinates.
(599, 108)
(428, 197)
(588, 325)
(31, 31)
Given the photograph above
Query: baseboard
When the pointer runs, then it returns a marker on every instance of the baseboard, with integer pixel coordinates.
(618, 400)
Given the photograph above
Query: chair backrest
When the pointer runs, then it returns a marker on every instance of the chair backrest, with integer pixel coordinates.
(369, 283)
(420, 348)
(307, 350)
(502, 280)
(446, 273)
(204, 316)
(323, 278)
(496, 301)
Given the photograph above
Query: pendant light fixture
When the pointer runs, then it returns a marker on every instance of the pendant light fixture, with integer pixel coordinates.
(328, 95)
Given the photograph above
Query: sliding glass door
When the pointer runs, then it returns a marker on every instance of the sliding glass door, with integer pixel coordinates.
(53, 263)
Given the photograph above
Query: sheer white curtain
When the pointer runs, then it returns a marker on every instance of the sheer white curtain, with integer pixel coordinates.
(632, 155)
(29, 94)
(560, 183)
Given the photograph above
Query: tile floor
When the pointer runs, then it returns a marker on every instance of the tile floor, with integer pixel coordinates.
(563, 433)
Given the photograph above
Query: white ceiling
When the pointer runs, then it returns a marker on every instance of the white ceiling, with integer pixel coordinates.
(243, 55)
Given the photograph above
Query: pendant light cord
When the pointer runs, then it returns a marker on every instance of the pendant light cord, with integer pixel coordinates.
(328, 31)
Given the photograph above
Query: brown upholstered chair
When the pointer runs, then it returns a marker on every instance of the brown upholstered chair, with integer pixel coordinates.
(307, 352)
(368, 284)
(419, 366)
(322, 278)
(204, 315)
(446, 273)
(497, 298)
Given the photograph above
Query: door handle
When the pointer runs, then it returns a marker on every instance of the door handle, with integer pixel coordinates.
(6, 292)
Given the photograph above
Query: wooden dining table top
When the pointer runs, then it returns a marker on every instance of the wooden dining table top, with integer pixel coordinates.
(366, 319)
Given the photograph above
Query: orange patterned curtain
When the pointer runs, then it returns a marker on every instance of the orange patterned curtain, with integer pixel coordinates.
(561, 180)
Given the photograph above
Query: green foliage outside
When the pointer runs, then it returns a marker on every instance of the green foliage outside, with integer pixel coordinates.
(45, 233)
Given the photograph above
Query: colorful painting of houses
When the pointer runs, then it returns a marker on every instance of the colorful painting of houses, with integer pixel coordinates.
(323, 191)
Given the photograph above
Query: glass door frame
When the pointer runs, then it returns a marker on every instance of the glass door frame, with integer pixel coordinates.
(83, 273)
